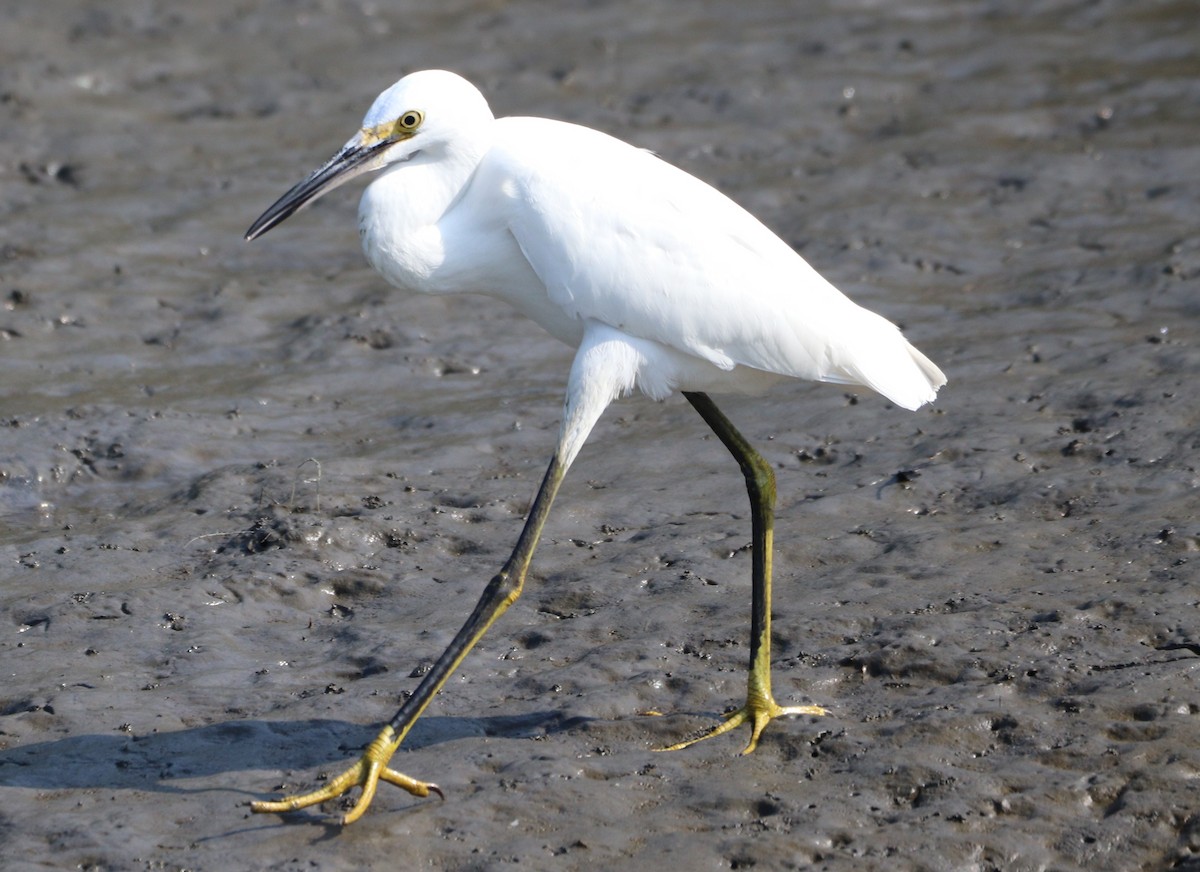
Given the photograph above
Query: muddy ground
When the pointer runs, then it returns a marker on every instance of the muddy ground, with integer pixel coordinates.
(247, 491)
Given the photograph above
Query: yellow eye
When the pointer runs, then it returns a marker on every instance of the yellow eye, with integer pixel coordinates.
(409, 121)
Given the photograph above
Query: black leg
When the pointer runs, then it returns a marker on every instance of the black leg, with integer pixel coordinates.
(760, 707)
(501, 592)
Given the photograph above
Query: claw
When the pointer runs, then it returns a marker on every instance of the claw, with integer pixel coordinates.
(758, 712)
(366, 773)
(391, 776)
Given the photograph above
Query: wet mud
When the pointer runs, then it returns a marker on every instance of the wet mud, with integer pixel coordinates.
(248, 492)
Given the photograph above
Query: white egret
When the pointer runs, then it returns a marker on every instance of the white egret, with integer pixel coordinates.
(661, 282)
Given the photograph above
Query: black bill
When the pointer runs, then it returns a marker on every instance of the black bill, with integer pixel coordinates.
(351, 161)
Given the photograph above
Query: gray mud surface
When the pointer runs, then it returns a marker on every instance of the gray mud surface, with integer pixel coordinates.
(247, 491)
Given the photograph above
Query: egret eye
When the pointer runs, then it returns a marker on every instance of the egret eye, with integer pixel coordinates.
(409, 121)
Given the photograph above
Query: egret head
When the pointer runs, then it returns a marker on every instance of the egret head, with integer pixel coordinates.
(427, 112)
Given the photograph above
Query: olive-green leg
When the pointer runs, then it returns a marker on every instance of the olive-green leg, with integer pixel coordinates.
(760, 707)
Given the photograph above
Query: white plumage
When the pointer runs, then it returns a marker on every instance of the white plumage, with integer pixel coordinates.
(661, 283)
(573, 227)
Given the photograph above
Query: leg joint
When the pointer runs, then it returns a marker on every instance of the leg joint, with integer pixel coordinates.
(760, 476)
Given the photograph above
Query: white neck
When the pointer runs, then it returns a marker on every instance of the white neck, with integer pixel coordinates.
(399, 211)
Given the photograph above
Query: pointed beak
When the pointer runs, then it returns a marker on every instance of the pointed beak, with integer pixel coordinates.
(351, 161)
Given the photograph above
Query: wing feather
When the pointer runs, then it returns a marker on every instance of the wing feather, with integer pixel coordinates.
(623, 238)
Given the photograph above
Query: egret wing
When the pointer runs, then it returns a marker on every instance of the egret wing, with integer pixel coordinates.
(624, 238)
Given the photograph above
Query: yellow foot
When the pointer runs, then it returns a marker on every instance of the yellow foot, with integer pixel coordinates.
(758, 712)
(370, 769)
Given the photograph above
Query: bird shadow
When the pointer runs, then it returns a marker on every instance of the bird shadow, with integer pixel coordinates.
(159, 762)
